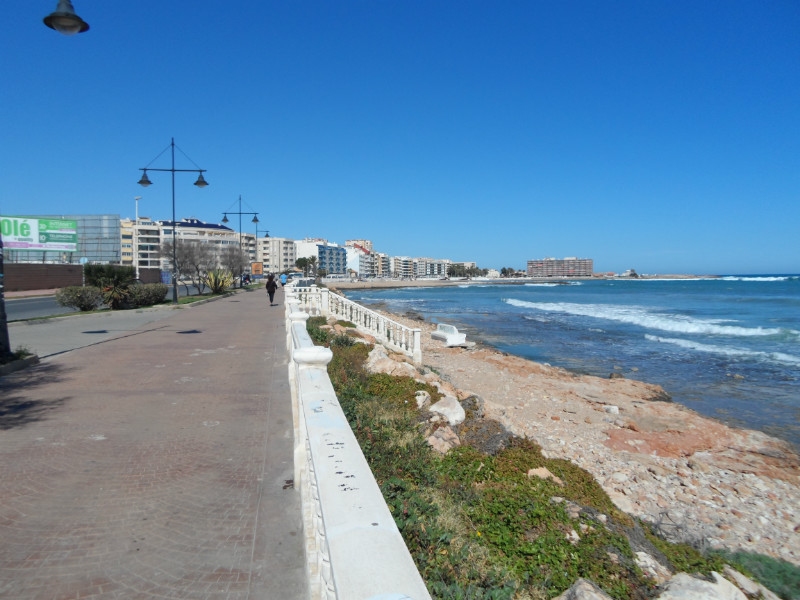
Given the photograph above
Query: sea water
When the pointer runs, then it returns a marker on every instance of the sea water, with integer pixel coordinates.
(727, 347)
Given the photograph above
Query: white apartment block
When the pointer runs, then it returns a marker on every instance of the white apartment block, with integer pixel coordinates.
(307, 247)
(561, 267)
(431, 267)
(402, 267)
(366, 244)
(141, 240)
(276, 254)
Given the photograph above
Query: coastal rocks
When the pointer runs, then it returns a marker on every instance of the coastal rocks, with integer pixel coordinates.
(694, 479)
(378, 361)
(423, 398)
(443, 440)
(686, 587)
(583, 589)
(450, 408)
(683, 587)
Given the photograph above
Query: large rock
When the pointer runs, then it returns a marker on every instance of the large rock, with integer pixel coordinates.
(583, 589)
(686, 587)
(378, 361)
(450, 408)
(443, 439)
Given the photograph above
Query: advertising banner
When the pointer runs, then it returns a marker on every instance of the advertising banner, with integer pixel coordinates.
(257, 268)
(27, 233)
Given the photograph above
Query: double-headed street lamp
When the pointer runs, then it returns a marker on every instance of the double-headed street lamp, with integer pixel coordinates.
(201, 183)
(240, 213)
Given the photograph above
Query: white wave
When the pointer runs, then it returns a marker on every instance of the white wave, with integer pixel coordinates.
(757, 278)
(781, 357)
(542, 284)
(635, 315)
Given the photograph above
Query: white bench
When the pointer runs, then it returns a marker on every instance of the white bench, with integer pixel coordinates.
(449, 335)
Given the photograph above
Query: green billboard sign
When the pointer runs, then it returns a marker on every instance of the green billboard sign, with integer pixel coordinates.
(31, 233)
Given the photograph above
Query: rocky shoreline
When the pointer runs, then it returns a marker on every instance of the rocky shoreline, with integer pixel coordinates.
(700, 480)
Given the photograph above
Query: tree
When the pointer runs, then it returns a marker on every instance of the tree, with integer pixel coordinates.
(194, 261)
(234, 260)
(312, 265)
(302, 264)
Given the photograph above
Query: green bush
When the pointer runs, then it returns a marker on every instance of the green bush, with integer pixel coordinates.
(100, 275)
(218, 280)
(148, 294)
(84, 298)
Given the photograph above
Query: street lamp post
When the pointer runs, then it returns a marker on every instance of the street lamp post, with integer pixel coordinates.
(136, 236)
(201, 183)
(240, 213)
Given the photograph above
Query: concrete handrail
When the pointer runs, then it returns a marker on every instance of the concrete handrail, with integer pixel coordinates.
(393, 335)
(354, 550)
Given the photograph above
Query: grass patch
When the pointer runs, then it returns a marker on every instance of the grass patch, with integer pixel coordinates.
(476, 525)
(19, 354)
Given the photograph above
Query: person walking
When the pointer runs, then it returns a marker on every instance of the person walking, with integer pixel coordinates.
(271, 287)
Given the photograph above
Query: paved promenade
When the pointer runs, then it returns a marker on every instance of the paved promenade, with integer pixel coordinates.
(149, 455)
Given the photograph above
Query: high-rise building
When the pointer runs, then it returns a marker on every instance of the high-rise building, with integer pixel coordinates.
(561, 267)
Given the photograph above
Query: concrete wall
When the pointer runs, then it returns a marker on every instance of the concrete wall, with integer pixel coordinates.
(22, 277)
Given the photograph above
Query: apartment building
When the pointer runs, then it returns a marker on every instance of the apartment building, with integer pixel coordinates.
(431, 267)
(276, 254)
(402, 267)
(332, 259)
(561, 267)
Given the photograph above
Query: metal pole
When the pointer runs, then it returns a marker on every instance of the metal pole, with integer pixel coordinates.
(241, 252)
(174, 226)
(136, 237)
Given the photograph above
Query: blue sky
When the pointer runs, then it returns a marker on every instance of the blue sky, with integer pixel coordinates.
(659, 135)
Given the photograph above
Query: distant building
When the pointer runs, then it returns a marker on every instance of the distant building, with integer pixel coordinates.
(402, 267)
(276, 254)
(332, 259)
(431, 267)
(98, 242)
(561, 267)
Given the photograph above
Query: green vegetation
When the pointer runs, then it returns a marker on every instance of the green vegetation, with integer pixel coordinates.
(18, 354)
(84, 298)
(218, 280)
(476, 524)
(779, 576)
(116, 295)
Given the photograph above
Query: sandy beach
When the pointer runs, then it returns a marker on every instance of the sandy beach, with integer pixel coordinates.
(701, 480)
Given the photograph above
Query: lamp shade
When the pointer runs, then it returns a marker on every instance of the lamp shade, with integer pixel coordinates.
(201, 182)
(145, 181)
(64, 20)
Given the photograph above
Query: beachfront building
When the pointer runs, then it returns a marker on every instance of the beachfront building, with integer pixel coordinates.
(360, 260)
(561, 267)
(276, 254)
(365, 244)
(431, 267)
(382, 264)
(332, 259)
(402, 267)
(307, 247)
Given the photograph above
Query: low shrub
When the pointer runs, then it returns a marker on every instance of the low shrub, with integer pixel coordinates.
(84, 298)
(148, 294)
(218, 280)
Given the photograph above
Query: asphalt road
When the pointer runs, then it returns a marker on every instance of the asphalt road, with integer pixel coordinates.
(20, 309)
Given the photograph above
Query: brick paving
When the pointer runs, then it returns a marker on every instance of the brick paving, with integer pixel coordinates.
(153, 462)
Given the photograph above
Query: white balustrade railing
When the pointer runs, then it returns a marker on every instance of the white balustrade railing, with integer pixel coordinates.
(322, 302)
(354, 550)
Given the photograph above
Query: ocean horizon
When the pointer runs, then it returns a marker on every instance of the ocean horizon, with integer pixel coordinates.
(725, 346)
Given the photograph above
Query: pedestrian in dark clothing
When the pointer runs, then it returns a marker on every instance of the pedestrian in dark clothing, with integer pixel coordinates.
(271, 287)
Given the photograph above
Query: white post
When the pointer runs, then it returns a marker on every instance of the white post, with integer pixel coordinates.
(136, 237)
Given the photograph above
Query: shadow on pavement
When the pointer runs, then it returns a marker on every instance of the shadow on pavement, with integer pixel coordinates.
(17, 409)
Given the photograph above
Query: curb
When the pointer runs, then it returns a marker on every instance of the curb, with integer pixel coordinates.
(18, 365)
